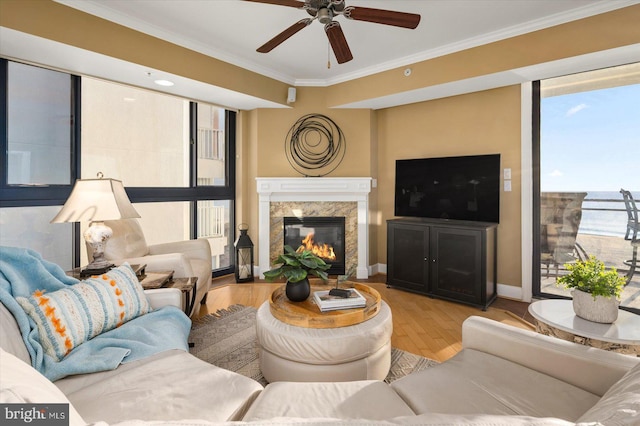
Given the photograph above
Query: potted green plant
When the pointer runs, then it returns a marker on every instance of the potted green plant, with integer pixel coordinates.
(595, 290)
(296, 266)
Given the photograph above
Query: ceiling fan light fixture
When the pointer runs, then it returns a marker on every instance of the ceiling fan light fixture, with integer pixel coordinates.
(324, 15)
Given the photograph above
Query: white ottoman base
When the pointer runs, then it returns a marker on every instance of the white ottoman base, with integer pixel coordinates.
(298, 354)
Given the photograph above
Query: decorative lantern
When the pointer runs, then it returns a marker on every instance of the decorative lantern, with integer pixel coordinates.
(244, 255)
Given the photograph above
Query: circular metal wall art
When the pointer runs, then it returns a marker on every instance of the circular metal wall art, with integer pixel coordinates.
(315, 145)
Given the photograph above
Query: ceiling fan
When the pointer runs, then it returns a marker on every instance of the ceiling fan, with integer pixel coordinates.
(324, 11)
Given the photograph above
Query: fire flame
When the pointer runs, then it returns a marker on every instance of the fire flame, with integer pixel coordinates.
(323, 251)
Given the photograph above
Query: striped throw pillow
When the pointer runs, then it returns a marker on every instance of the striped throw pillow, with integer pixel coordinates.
(68, 317)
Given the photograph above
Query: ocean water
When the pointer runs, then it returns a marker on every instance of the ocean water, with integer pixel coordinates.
(610, 223)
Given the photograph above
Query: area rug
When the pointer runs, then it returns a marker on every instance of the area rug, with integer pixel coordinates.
(227, 339)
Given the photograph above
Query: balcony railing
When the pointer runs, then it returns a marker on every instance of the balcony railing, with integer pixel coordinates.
(593, 225)
(604, 216)
(211, 220)
(211, 144)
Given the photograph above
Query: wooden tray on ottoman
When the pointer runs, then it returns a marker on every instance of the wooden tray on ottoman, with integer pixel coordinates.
(307, 314)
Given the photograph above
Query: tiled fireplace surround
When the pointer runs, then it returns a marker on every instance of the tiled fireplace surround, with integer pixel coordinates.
(281, 197)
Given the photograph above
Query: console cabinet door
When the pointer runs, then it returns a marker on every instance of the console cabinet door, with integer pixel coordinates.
(456, 264)
(408, 256)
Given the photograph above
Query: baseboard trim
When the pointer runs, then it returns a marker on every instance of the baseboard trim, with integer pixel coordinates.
(510, 291)
(378, 268)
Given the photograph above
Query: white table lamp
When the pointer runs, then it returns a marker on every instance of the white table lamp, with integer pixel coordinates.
(96, 200)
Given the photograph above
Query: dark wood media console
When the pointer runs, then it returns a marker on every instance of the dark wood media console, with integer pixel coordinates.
(451, 260)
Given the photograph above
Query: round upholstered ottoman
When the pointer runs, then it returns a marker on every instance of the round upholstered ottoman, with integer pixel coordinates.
(356, 352)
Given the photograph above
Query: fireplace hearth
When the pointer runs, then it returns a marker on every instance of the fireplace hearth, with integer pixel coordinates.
(324, 236)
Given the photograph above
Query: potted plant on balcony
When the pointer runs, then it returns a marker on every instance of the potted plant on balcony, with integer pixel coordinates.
(296, 266)
(595, 290)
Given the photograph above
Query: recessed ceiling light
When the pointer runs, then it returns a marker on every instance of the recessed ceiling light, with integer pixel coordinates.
(163, 82)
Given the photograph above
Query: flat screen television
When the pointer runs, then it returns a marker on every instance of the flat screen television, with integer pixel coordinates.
(455, 188)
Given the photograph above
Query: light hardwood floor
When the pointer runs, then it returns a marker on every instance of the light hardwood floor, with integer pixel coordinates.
(421, 325)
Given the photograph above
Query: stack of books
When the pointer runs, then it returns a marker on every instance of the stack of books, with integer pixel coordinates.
(327, 302)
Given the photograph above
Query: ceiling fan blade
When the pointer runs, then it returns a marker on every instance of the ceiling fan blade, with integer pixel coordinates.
(338, 42)
(280, 38)
(289, 3)
(380, 16)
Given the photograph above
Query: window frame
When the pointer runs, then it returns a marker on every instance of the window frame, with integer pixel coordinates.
(37, 195)
(536, 163)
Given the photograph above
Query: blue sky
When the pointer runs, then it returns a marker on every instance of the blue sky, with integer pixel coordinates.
(590, 141)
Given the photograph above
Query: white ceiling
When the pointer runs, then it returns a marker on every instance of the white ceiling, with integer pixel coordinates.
(231, 30)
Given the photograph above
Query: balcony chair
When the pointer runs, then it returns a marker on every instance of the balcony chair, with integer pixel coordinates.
(190, 258)
(633, 229)
(560, 217)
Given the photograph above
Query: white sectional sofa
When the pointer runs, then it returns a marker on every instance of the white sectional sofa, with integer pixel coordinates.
(502, 376)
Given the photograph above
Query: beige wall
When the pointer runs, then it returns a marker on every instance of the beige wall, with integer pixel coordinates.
(265, 135)
(479, 123)
(274, 124)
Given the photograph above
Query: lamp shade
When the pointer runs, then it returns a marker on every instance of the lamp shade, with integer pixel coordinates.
(96, 200)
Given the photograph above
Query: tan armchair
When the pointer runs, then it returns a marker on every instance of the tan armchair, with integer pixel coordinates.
(190, 258)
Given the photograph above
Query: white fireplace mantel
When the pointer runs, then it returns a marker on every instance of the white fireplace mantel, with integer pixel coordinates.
(310, 189)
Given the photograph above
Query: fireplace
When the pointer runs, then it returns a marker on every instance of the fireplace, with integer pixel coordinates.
(336, 197)
(324, 236)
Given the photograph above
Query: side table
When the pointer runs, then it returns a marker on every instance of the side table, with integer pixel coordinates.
(165, 279)
(556, 318)
(188, 286)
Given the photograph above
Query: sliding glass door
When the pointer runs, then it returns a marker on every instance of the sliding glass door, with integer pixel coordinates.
(588, 150)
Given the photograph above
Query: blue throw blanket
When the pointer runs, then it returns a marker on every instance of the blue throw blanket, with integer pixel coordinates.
(22, 271)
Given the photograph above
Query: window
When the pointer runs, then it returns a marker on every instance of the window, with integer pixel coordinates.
(38, 143)
(181, 189)
(137, 136)
(39, 127)
(175, 158)
(587, 152)
(211, 145)
(30, 227)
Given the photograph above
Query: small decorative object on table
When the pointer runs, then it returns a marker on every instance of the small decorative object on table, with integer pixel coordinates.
(296, 265)
(341, 292)
(596, 291)
(328, 302)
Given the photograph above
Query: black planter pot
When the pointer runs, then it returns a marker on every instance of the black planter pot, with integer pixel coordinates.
(298, 292)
